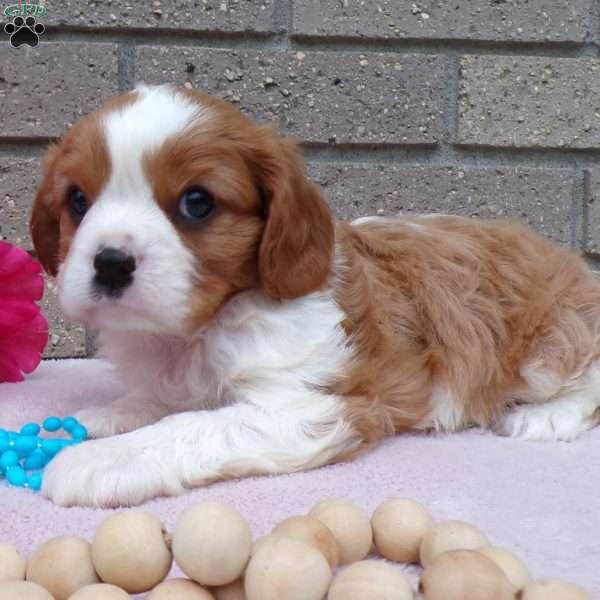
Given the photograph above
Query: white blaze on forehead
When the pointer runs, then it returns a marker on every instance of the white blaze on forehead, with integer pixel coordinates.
(157, 114)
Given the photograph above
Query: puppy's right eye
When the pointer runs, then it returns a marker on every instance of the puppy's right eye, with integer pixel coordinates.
(77, 203)
(196, 205)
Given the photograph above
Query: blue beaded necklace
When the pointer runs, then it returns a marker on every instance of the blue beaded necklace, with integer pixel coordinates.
(24, 455)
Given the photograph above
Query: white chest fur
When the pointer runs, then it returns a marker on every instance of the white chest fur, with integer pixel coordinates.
(257, 350)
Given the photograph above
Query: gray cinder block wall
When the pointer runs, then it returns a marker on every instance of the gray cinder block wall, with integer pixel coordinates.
(482, 108)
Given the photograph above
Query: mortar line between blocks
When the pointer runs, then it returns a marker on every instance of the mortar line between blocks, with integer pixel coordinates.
(126, 67)
(585, 214)
(167, 38)
(448, 154)
(578, 240)
(450, 103)
(402, 154)
(444, 46)
(285, 40)
(593, 37)
(282, 22)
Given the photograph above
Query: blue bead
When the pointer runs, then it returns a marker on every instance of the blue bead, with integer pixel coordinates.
(12, 435)
(37, 460)
(69, 423)
(51, 447)
(9, 459)
(79, 433)
(30, 429)
(16, 476)
(35, 481)
(3, 444)
(26, 443)
(52, 424)
(3, 433)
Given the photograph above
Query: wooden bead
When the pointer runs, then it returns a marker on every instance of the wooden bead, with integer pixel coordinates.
(399, 525)
(23, 590)
(314, 533)
(287, 569)
(450, 535)
(12, 564)
(260, 542)
(100, 591)
(372, 579)
(514, 568)
(350, 526)
(552, 589)
(211, 543)
(179, 589)
(465, 575)
(62, 565)
(231, 591)
(130, 550)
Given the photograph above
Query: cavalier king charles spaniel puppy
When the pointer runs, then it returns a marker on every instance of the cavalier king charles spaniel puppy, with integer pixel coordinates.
(256, 334)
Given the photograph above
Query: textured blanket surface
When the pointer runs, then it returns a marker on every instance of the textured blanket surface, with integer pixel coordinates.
(540, 500)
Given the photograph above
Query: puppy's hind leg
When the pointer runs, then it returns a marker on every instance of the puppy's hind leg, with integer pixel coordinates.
(573, 409)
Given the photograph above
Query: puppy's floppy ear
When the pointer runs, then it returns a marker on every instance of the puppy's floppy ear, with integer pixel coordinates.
(44, 225)
(296, 250)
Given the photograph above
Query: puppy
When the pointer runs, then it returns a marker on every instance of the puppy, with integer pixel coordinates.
(258, 335)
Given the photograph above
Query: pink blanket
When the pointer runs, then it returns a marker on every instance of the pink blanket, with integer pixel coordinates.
(540, 500)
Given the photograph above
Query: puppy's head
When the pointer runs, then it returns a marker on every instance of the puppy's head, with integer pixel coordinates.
(158, 207)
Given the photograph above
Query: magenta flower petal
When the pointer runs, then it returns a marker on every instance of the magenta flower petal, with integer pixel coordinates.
(30, 287)
(16, 314)
(23, 329)
(10, 372)
(25, 359)
(19, 274)
(36, 337)
(25, 347)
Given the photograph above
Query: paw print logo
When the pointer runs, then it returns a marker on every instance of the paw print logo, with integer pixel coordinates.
(24, 31)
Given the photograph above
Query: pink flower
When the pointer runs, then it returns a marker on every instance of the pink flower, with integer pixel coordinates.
(23, 328)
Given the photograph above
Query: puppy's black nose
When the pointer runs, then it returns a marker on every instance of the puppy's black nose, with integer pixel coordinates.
(114, 270)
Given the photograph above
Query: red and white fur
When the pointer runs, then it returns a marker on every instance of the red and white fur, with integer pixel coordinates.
(271, 338)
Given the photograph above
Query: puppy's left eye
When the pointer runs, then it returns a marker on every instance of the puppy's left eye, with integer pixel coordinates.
(196, 205)
(78, 204)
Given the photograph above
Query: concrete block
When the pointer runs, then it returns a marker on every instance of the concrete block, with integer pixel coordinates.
(592, 210)
(540, 198)
(65, 339)
(494, 20)
(18, 182)
(45, 89)
(532, 102)
(205, 15)
(348, 97)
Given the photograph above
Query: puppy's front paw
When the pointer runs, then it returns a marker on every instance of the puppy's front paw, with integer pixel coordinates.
(109, 473)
